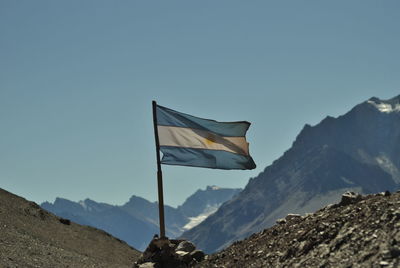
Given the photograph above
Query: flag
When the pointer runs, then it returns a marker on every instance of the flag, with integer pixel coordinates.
(187, 140)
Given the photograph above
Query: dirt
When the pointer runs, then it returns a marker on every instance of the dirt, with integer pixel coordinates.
(33, 237)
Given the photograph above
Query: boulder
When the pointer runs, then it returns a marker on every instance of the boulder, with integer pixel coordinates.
(350, 198)
(198, 255)
(184, 256)
(280, 221)
(162, 252)
(186, 246)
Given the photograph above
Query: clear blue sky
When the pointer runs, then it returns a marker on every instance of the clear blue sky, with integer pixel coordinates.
(77, 79)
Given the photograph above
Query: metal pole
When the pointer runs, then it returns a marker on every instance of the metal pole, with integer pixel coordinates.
(159, 175)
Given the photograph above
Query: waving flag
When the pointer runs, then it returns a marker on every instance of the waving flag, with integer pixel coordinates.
(187, 140)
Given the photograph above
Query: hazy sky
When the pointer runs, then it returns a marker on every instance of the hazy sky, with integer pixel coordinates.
(77, 79)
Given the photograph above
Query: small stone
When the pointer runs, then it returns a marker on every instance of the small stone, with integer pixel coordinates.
(395, 252)
(396, 214)
(280, 221)
(147, 265)
(181, 253)
(290, 217)
(386, 254)
(383, 263)
(330, 206)
(293, 215)
(65, 221)
(350, 198)
(384, 217)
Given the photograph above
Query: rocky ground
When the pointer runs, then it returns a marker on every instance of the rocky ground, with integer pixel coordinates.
(169, 253)
(360, 231)
(33, 237)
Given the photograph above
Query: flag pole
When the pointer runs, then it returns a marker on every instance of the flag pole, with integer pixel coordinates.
(159, 175)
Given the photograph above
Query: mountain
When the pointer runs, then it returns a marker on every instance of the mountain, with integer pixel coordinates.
(203, 203)
(204, 200)
(195, 209)
(362, 233)
(137, 220)
(357, 151)
(133, 229)
(33, 237)
(140, 207)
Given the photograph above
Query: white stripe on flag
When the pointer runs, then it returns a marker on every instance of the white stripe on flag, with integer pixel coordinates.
(201, 139)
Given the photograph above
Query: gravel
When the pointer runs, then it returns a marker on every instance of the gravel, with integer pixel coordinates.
(33, 237)
(360, 231)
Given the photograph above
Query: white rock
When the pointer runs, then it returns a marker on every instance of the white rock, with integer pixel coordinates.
(181, 253)
(186, 246)
(147, 265)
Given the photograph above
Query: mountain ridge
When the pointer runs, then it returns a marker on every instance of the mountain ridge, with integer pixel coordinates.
(136, 221)
(355, 151)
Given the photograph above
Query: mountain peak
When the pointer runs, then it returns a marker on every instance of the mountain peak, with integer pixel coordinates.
(357, 151)
(386, 106)
(212, 188)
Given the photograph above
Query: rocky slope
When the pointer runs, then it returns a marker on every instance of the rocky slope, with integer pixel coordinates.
(33, 237)
(357, 151)
(358, 232)
(136, 221)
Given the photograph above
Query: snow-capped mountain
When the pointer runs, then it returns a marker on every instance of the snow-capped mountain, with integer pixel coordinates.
(137, 220)
(359, 151)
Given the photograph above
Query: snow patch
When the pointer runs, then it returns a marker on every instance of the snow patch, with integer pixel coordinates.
(194, 221)
(344, 179)
(84, 206)
(388, 166)
(212, 188)
(385, 107)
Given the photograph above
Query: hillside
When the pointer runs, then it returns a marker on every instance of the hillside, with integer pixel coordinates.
(358, 232)
(33, 237)
(357, 152)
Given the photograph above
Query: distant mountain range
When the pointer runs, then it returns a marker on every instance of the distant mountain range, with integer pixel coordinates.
(137, 220)
(359, 151)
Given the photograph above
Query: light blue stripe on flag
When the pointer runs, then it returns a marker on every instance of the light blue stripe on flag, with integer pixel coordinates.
(187, 140)
(168, 117)
(205, 158)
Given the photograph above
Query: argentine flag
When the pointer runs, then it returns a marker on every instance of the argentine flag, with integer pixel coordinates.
(187, 140)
